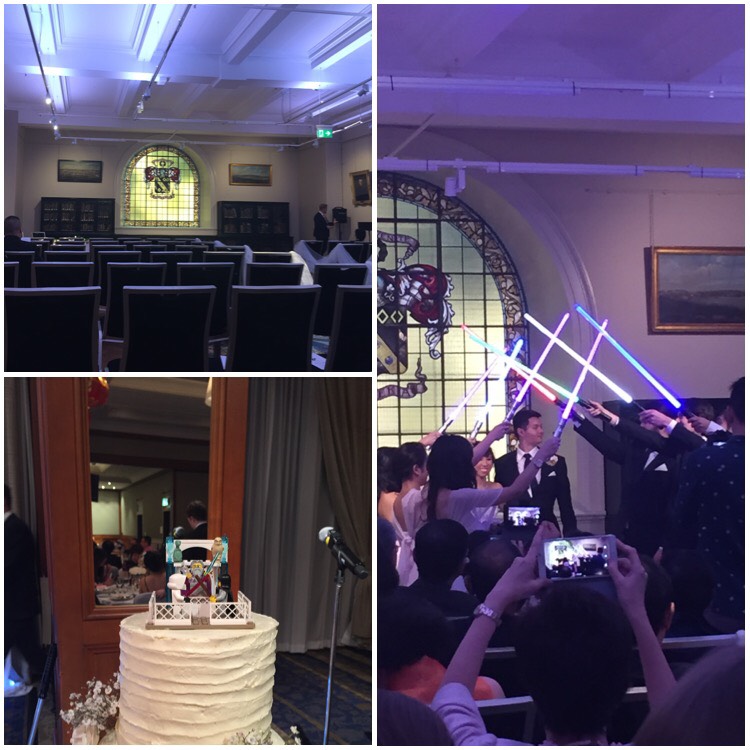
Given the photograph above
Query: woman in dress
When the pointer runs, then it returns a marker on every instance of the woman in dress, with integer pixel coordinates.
(156, 576)
(482, 471)
(452, 492)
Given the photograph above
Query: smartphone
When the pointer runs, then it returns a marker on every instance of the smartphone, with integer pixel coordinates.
(522, 517)
(577, 558)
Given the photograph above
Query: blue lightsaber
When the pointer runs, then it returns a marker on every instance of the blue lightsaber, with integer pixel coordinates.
(633, 361)
(483, 410)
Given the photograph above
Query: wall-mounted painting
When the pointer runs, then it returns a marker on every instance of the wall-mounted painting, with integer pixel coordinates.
(696, 289)
(362, 188)
(250, 175)
(78, 170)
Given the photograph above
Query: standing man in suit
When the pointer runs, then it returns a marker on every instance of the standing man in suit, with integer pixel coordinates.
(197, 518)
(321, 230)
(551, 482)
(649, 454)
(21, 590)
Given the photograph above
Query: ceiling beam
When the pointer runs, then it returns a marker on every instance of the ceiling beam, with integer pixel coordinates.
(151, 29)
(255, 27)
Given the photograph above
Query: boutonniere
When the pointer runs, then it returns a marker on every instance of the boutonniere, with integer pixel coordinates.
(552, 460)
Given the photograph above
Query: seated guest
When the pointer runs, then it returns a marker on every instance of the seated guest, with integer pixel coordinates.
(104, 573)
(145, 543)
(693, 588)
(13, 235)
(415, 643)
(440, 553)
(706, 707)
(109, 548)
(487, 565)
(404, 721)
(156, 576)
(658, 597)
(133, 557)
(573, 648)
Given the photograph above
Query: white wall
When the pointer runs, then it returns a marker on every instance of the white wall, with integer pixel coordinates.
(581, 239)
(145, 496)
(105, 514)
(301, 177)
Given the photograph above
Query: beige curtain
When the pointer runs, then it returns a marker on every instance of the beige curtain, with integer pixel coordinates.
(287, 573)
(346, 432)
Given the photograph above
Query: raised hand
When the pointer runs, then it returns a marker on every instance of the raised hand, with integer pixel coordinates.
(548, 448)
(629, 577)
(596, 410)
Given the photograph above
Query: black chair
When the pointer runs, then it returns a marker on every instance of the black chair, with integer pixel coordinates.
(166, 328)
(350, 348)
(196, 249)
(120, 275)
(24, 258)
(11, 275)
(273, 274)
(211, 274)
(62, 274)
(104, 258)
(270, 328)
(318, 247)
(66, 256)
(330, 276)
(360, 251)
(63, 245)
(272, 257)
(49, 330)
(146, 250)
(228, 256)
(171, 258)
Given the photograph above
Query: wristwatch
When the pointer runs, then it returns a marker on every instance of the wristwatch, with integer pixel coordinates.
(483, 609)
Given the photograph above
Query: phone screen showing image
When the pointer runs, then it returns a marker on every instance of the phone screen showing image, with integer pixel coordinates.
(577, 557)
(522, 517)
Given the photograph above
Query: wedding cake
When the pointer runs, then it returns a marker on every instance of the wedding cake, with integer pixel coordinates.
(194, 686)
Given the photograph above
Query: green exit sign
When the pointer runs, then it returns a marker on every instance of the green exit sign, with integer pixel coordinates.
(325, 133)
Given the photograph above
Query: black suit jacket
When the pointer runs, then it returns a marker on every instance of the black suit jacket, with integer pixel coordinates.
(553, 486)
(21, 583)
(199, 532)
(321, 231)
(12, 242)
(647, 491)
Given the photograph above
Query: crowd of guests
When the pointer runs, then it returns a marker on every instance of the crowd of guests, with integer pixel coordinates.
(140, 561)
(452, 583)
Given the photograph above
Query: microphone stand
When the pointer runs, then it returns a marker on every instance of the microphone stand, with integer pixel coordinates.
(43, 688)
(339, 580)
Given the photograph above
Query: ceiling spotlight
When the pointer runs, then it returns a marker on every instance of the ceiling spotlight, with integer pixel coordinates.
(450, 187)
(48, 101)
(147, 93)
(364, 90)
(139, 107)
(280, 149)
(315, 143)
(57, 134)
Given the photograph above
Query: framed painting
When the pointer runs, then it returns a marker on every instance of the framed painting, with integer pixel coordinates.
(78, 170)
(250, 175)
(362, 187)
(696, 289)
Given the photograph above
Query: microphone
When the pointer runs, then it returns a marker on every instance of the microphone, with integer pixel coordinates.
(334, 541)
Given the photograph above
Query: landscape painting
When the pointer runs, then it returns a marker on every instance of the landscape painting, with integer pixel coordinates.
(697, 290)
(250, 175)
(79, 170)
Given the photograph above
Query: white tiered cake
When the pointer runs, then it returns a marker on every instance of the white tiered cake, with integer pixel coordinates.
(194, 686)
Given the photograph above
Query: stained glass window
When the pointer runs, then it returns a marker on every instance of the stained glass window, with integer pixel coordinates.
(440, 265)
(161, 188)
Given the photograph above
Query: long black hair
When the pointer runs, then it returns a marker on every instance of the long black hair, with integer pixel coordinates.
(450, 466)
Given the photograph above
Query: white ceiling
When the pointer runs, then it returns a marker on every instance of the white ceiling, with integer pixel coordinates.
(232, 69)
(631, 68)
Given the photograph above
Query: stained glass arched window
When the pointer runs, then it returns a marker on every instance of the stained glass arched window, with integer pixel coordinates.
(440, 265)
(161, 188)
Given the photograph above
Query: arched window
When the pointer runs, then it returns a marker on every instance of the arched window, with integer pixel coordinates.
(161, 188)
(440, 265)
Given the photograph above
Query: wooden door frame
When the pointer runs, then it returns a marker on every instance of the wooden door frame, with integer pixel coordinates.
(87, 636)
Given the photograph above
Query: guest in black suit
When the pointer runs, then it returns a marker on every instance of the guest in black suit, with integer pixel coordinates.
(21, 589)
(13, 235)
(551, 483)
(197, 516)
(709, 514)
(321, 230)
(650, 458)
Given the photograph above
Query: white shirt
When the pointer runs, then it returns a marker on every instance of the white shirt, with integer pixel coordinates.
(521, 461)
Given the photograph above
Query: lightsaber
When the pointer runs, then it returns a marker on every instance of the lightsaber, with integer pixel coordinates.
(624, 395)
(465, 400)
(524, 371)
(484, 410)
(633, 361)
(522, 393)
(584, 371)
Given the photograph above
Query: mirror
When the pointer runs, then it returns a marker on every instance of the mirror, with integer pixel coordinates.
(150, 442)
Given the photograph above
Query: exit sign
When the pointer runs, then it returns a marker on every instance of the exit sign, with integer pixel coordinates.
(325, 133)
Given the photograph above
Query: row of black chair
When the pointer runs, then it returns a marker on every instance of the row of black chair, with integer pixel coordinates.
(167, 329)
